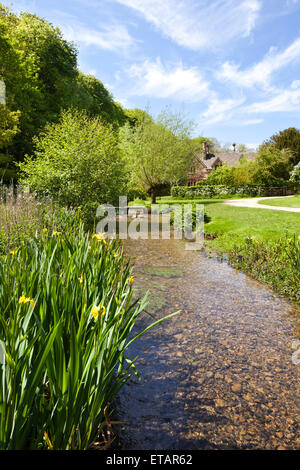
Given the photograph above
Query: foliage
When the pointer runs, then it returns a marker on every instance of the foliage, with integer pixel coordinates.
(272, 166)
(287, 139)
(77, 162)
(89, 94)
(156, 150)
(136, 193)
(223, 175)
(9, 122)
(39, 68)
(23, 216)
(295, 175)
(197, 144)
(277, 264)
(65, 324)
(217, 191)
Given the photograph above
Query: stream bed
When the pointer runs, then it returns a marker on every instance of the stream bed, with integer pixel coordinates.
(220, 374)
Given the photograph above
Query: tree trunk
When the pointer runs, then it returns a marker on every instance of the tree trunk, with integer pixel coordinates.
(153, 195)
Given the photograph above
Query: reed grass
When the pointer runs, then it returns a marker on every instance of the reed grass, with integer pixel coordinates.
(66, 321)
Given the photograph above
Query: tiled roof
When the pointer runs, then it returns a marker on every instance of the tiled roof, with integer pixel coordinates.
(232, 158)
(207, 163)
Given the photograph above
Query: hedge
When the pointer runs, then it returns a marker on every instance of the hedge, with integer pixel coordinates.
(222, 191)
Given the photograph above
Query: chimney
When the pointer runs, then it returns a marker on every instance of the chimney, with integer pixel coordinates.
(234, 145)
(205, 149)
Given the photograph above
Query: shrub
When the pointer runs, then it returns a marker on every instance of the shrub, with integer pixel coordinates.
(77, 162)
(136, 193)
(277, 264)
(295, 175)
(207, 191)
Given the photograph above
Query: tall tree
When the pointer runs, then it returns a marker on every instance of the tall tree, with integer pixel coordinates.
(39, 68)
(287, 139)
(156, 151)
(272, 166)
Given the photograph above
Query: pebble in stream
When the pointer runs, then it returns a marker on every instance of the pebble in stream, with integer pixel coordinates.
(219, 375)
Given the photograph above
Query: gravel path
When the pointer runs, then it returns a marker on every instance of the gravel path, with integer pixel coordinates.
(254, 203)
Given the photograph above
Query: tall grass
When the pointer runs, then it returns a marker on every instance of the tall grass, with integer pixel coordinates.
(22, 216)
(275, 263)
(66, 315)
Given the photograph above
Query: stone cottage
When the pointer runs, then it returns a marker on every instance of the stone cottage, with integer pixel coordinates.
(203, 163)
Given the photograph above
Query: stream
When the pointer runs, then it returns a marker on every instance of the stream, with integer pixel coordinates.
(220, 374)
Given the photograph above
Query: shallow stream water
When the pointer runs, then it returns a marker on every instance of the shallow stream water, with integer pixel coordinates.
(220, 374)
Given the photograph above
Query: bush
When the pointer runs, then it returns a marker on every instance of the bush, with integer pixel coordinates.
(206, 191)
(295, 175)
(276, 264)
(76, 162)
(136, 193)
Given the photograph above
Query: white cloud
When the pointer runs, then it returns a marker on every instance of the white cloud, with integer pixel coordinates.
(221, 109)
(199, 24)
(155, 80)
(260, 73)
(285, 101)
(251, 122)
(113, 37)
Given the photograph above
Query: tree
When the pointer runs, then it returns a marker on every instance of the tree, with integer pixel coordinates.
(197, 144)
(243, 148)
(89, 94)
(287, 139)
(156, 151)
(76, 161)
(272, 166)
(39, 68)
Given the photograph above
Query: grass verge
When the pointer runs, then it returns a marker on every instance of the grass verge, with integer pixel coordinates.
(293, 201)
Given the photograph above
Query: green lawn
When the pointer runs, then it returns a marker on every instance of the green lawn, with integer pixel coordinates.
(232, 224)
(283, 201)
(263, 243)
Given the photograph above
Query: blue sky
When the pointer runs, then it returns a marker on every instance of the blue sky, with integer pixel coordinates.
(232, 66)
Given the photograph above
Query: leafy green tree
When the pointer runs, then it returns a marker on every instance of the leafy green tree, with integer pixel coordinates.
(37, 65)
(272, 166)
(156, 151)
(39, 68)
(136, 116)
(287, 139)
(76, 161)
(197, 144)
(89, 94)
